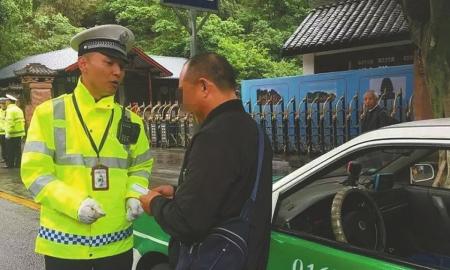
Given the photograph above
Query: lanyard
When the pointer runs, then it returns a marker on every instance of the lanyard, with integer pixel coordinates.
(86, 130)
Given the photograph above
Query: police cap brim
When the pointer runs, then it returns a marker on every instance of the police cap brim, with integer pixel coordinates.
(111, 40)
(10, 97)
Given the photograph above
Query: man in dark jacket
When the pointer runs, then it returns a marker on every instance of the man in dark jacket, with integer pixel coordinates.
(374, 116)
(219, 167)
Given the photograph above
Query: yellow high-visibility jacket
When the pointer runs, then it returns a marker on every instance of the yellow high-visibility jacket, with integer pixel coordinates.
(56, 167)
(2, 121)
(14, 122)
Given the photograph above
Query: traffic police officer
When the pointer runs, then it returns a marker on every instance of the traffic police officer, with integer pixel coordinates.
(83, 157)
(2, 127)
(14, 131)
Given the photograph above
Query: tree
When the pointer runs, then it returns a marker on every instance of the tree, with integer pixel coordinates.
(429, 22)
(13, 14)
(156, 27)
(26, 30)
(244, 31)
(52, 31)
(250, 32)
(78, 12)
(317, 3)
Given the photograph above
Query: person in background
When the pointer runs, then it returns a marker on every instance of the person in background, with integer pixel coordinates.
(219, 167)
(14, 132)
(2, 127)
(374, 117)
(83, 158)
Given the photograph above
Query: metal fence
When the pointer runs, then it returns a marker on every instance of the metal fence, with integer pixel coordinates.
(305, 127)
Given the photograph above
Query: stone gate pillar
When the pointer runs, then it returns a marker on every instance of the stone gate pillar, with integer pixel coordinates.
(37, 82)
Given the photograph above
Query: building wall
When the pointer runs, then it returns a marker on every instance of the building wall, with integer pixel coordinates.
(166, 91)
(136, 88)
(308, 63)
(360, 59)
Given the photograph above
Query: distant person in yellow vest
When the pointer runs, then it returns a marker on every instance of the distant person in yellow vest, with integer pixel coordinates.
(14, 132)
(84, 157)
(2, 127)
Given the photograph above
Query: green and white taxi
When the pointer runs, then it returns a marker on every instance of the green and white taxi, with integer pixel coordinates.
(379, 201)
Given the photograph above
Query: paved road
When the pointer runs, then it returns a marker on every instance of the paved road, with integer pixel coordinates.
(18, 224)
(18, 229)
(166, 168)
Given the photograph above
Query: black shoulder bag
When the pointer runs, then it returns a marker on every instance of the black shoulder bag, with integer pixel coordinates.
(225, 247)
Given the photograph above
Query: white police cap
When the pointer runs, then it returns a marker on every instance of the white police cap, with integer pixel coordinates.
(11, 97)
(110, 39)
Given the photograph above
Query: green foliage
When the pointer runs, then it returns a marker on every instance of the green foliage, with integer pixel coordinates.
(78, 12)
(248, 32)
(53, 32)
(216, 29)
(12, 15)
(157, 28)
(252, 61)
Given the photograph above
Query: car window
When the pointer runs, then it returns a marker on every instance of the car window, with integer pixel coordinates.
(406, 187)
(371, 160)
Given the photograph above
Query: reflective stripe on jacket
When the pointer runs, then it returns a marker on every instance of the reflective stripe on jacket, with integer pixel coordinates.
(14, 122)
(2, 121)
(56, 168)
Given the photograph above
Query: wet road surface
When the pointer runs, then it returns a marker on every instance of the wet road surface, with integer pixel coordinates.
(166, 167)
(18, 230)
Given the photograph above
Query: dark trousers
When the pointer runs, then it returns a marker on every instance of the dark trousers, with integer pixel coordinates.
(123, 261)
(13, 152)
(3, 146)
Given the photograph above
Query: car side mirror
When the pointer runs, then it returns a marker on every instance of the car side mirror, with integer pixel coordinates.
(421, 172)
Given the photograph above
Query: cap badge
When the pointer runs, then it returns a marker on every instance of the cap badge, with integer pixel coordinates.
(124, 37)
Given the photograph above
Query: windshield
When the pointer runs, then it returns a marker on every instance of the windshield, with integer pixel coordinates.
(372, 161)
(283, 165)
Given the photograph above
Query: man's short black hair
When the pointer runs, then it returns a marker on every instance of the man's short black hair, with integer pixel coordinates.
(213, 67)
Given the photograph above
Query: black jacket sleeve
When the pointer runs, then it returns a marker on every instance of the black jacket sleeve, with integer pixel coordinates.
(206, 179)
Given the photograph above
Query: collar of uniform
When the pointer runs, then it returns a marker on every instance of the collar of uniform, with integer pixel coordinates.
(231, 105)
(10, 105)
(85, 99)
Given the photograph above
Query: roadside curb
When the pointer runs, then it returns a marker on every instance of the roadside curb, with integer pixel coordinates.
(19, 200)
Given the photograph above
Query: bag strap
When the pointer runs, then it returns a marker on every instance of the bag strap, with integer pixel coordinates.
(260, 161)
(248, 206)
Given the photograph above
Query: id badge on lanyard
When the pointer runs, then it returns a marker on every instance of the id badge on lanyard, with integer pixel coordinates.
(100, 172)
(100, 177)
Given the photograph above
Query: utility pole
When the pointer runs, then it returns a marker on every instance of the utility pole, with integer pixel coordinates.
(193, 7)
(193, 27)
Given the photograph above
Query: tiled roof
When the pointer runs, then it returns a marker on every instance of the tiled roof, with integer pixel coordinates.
(348, 24)
(141, 60)
(173, 64)
(167, 67)
(56, 60)
(35, 69)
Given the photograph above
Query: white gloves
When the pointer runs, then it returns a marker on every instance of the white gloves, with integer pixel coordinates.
(90, 211)
(134, 209)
